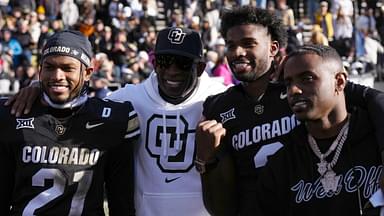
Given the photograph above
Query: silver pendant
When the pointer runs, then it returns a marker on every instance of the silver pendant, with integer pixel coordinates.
(330, 181)
(322, 167)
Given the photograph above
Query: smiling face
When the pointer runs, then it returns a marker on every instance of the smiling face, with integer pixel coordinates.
(62, 78)
(177, 76)
(312, 87)
(250, 51)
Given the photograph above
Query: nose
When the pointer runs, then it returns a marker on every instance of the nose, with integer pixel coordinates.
(58, 74)
(240, 51)
(293, 89)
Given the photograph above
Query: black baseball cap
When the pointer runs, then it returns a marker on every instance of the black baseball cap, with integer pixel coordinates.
(71, 43)
(179, 41)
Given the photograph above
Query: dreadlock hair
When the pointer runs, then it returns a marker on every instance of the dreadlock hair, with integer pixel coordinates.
(251, 15)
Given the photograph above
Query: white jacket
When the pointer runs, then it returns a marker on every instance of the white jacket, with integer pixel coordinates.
(166, 181)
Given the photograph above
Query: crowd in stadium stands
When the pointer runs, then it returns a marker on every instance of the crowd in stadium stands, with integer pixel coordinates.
(123, 32)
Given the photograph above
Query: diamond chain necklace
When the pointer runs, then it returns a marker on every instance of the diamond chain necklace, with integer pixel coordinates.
(329, 178)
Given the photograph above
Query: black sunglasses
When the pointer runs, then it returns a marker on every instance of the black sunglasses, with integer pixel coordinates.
(184, 63)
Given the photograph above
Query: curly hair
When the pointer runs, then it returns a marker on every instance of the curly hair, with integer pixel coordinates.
(251, 15)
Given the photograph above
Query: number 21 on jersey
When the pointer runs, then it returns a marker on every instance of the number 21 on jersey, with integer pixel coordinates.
(82, 178)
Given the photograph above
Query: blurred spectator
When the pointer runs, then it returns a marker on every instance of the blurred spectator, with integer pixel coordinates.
(56, 25)
(87, 10)
(195, 23)
(222, 70)
(51, 8)
(209, 35)
(312, 6)
(69, 13)
(104, 68)
(145, 67)
(120, 22)
(294, 39)
(26, 74)
(318, 37)
(324, 19)
(11, 47)
(150, 11)
(346, 5)
(261, 3)
(119, 49)
(365, 24)
(212, 14)
(343, 34)
(97, 35)
(10, 23)
(380, 24)
(114, 7)
(44, 35)
(106, 42)
(34, 27)
(366, 21)
(4, 6)
(286, 13)
(100, 87)
(86, 26)
(25, 5)
(211, 59)
(25, 39)
(176, 19)
(372, 49)
(41, 13)
(219, 46)
(150, 40)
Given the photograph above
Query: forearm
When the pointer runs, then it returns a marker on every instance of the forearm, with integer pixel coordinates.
(219, 188)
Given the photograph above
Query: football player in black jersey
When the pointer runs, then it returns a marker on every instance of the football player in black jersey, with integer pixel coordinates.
(250, 121)
(57, 159)
(331, 164)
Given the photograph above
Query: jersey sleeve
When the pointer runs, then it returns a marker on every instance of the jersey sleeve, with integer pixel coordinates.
(371, 100)
(133, 127)
(119, 180)
(119, 172)
(7, 166)
(209, 107)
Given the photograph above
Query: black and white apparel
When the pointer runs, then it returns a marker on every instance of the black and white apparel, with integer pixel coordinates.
(57, 161)
(291, 184)
(166, 182)
(255, 129)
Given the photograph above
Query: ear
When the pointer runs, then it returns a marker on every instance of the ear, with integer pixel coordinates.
(200, 68)
(274, 48)
(341, 81)
(88, 73)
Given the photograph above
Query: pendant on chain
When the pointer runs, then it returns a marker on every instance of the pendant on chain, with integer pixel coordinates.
(322, 167)
(330, 181)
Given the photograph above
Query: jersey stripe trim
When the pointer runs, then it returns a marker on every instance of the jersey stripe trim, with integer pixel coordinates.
(132, 134)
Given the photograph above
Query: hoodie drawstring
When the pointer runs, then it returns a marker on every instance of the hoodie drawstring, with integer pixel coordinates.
(164, 138)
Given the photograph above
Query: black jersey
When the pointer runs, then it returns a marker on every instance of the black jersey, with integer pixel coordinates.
(255, 129)
(53, 166)
(291, 185)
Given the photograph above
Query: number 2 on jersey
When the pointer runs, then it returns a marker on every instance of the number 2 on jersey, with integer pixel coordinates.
(83, 179)
(261, 156)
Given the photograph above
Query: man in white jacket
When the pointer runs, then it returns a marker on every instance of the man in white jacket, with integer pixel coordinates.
(169, 105)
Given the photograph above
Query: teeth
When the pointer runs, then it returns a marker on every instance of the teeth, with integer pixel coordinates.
(301, 103)
(240, 65)
(58, 87)
(173, 82)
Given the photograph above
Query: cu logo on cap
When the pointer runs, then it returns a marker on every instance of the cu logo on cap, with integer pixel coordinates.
(176, 36)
